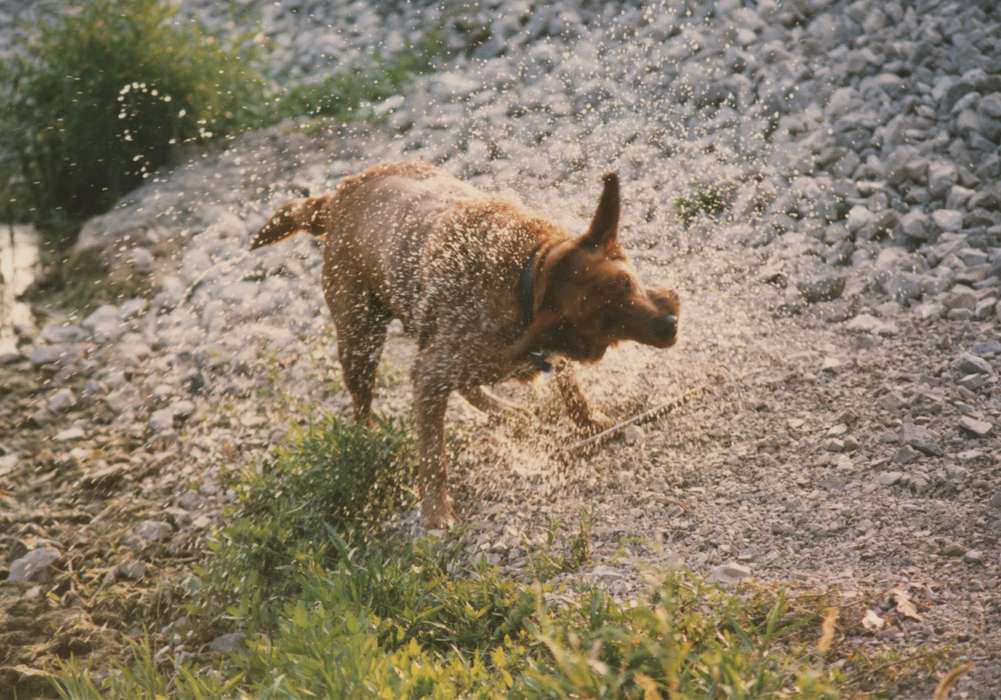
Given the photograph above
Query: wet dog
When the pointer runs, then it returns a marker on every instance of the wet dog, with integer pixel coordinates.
(490, 290)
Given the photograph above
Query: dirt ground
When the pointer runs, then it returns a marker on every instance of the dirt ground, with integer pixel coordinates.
(813, 456)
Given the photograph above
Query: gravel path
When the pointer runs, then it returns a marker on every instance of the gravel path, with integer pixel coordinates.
(842, 312)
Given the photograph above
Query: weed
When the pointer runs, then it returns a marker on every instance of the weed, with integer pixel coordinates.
(99, 94)
(708, 199)
(334, 483)
(554, 560)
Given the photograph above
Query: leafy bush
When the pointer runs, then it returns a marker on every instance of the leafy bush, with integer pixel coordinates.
(99, 94)
(334, 482)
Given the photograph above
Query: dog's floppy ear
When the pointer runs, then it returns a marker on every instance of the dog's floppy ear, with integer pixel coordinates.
(604, 229)
(298, 215)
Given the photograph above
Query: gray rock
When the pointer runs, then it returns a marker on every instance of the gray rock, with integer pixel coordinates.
(153, 531)
(730, 574)
(142, 260)
(62, 400)
(859, 218)
(890, 478)
(227, 643)
(941, 178)
(961, 297)
(33, 566)
(867, 323)
(132, 570)
(905, 455)
(73, 433)
(131, 309)
(920, 439)
(947, 220)
(182, 410)
(976, 427)
(189, 500)
(973, 556)
(929, 310)
(915, 224)
(41, 355)
(903, 286)
(62, 333)
(990, 106)
(104, 323)
(161, 420)
(986, 348)
(968, 363)
(984, 308)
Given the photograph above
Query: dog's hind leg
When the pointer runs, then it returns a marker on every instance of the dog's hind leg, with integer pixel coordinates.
(361, 333)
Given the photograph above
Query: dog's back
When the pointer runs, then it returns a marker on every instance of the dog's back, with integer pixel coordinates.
(381, 222)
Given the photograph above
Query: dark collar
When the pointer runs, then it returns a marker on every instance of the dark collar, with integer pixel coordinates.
(526, 300)
(526, 289)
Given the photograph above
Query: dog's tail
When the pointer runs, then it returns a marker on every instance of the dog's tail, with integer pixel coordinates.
(309, 214)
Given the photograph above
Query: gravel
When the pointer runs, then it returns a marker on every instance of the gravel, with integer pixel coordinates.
(852, 282)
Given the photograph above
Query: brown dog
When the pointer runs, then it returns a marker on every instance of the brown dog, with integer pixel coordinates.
(491, 291)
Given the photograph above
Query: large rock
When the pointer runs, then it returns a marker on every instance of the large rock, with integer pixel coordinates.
(968, 363)
(33, 566)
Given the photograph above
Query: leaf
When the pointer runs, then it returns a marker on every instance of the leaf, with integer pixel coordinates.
(827, 628)
(905, 606)
(945, 685)
(872, 622)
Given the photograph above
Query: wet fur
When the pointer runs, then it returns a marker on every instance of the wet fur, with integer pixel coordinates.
(407, 240)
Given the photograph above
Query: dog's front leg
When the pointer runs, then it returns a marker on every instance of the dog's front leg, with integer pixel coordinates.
(486, 402)
(430, 402)
(580, 410)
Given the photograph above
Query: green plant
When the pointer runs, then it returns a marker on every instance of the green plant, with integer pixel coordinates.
(708, 199)
(98, 95)
(345, 95)
(552, 560)
(334, 482)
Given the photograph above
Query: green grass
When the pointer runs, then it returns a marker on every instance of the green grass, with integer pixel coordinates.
(335, 605)
(563, 552)
(352, 92)
(710, 200)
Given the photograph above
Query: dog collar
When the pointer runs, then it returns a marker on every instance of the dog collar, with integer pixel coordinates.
(526, 299)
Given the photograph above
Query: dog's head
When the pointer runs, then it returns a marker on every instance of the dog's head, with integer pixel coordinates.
(588, 297)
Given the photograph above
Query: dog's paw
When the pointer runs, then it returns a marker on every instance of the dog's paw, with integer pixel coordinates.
(596, 422)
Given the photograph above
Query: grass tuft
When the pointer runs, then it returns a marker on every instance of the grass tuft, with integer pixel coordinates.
(710, 200)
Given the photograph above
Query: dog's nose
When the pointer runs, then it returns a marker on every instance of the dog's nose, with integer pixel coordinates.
(666, 326)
